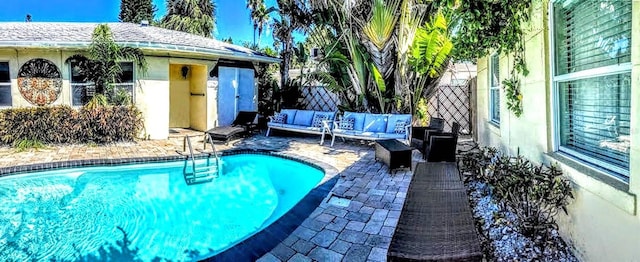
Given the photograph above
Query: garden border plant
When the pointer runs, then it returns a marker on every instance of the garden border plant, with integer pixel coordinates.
(532, 194)
(22, 127)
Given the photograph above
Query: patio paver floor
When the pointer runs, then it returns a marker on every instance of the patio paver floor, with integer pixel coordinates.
(359, 231)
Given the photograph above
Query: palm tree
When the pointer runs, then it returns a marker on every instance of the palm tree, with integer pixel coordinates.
(134, 11)
(253, 5)
(294, 15)
(101, 66)
(260, 18)
(191, 16)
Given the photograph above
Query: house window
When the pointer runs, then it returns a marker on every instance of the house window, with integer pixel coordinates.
(124, 83)
(592, 79)
(5, 84)
(123, 86)
(79, 86)
(494, 89)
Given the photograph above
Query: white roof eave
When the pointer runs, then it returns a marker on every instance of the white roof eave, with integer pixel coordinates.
(146, 46)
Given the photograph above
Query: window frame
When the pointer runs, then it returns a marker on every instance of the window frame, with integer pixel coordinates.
(609, 169)
(133, 81)
(7, 85)
(492, 102)
(117, 85)
(72, 85)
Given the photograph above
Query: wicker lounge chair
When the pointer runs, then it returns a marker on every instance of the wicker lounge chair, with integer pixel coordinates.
(244, 123)
(435, 223)
(418, 133)
(441, 146)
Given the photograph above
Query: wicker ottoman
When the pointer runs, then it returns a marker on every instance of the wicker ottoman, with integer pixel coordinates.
(393, 153)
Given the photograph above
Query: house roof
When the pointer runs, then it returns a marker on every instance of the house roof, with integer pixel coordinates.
(78, 35)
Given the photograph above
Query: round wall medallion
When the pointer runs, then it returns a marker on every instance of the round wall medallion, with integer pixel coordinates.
(39, 81)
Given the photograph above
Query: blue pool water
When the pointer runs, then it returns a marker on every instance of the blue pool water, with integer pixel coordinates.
(85, 213)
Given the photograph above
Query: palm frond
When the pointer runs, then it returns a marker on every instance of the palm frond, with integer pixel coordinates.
(382, 23)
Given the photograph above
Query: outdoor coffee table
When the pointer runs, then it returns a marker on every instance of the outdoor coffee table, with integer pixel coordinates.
(393, 153)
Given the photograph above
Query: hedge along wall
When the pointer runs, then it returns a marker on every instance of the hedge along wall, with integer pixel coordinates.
(63, 124)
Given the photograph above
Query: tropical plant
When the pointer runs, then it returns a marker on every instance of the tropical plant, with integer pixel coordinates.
(301, 55)
(101, 67)
(294, 15)
(289, 95)
(30, 127)
(191, 16)
(134, 11)
(259, 16)
(494, 26)
(429, 57)
(375, 40)
(534, 194)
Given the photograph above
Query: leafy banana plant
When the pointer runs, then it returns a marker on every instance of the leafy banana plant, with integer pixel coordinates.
(429, 54)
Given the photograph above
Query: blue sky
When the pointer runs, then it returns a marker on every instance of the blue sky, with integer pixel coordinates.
(232, 15)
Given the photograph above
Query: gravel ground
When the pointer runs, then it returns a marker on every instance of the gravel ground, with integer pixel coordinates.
(500, 242)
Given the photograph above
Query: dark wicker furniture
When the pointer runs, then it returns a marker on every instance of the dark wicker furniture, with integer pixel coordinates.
(436, 222)
(441, 146)
(418, 133)
(243, 124)
(393, 153)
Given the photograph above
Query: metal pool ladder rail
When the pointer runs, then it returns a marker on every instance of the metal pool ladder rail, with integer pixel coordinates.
(203, 173)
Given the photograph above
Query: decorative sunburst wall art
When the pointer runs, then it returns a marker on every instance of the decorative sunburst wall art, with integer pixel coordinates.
(39, 81)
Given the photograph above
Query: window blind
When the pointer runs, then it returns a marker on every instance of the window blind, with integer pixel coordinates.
(596, 117)
(591, 34)
(594, 111)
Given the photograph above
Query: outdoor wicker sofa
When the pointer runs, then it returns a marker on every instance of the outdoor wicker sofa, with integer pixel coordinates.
(302, 121)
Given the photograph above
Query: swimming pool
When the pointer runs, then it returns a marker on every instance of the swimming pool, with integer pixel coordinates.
(90, 212)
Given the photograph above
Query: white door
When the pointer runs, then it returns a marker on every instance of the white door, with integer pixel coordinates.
(227, 85)
(246, 90)
(236, 92)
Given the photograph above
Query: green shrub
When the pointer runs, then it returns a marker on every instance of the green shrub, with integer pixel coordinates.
(533, 193)
(63, 124)
(24, 144)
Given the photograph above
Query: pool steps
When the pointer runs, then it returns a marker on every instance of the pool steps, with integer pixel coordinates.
(200, 174)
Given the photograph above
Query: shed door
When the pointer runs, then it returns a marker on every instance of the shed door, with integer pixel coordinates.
(246, 90)
(236, 93)
(227, 84)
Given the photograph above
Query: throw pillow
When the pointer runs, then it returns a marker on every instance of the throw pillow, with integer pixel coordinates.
(400, 127)
(279, 118)
(317, 120)
(347, 123)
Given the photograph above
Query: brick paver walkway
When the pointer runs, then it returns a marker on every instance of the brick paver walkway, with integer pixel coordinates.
(356, 228)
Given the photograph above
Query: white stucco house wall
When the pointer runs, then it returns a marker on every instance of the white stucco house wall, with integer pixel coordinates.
(192, 81)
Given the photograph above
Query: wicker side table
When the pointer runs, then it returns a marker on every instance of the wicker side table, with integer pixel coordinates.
(393, 153)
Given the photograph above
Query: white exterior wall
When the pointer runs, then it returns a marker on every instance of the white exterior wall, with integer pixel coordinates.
(603, 223)
(151, 89)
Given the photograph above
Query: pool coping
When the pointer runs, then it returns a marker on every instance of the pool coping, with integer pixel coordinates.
(248, 249)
